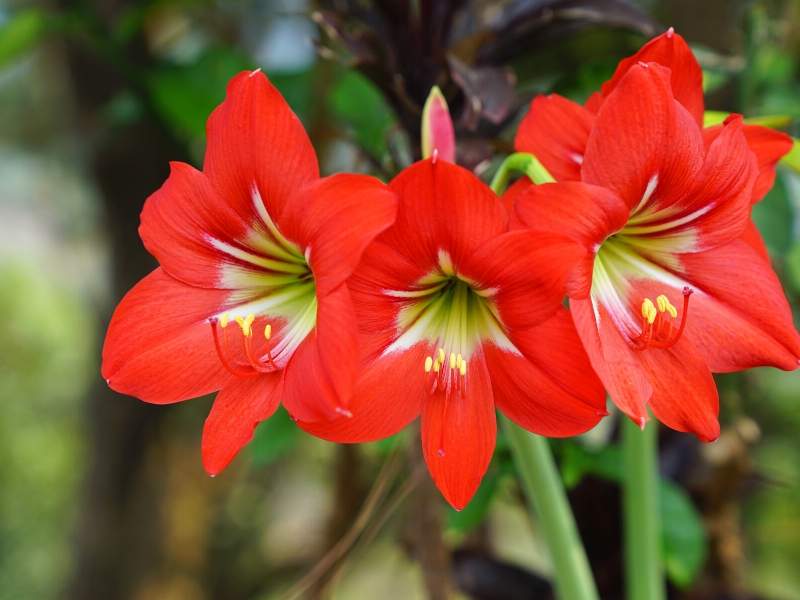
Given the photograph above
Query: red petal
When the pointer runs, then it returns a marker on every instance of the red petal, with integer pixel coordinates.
(254, 139)
(382, 268)
(686, 77)
(336, 218)
(556, 131)
(586, 213)
(178, 220)
(768, 145)
(550, 388)
(615, 362)
(723, 191)
(509, 201)
(442, 206)
(529, 270)
(641, 138)
(387, 397)
(237, 410)
(594, 102)
(458, 436)
(159, 346)
(684, 394)
(752, 237)
(675, 383)
(741, 319)
(320, 376)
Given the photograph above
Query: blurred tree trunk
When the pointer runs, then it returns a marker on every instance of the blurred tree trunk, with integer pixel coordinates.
(116, 541)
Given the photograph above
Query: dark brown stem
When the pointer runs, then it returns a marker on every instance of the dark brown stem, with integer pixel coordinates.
(425, 531)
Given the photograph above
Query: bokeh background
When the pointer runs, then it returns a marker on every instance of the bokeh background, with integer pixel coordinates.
(102, 496)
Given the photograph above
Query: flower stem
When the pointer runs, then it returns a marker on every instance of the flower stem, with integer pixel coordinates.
(520, 162)
(547, 499)
(643, 563)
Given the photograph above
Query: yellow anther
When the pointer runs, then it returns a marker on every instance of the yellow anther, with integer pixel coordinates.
(246, 324)
(428, 364)
(437, 366)
(664, 305)
(223, 320)
(441, 355)
(452, 361)
(267, 331)
(649, 311)
(463, 368)
(459, 360)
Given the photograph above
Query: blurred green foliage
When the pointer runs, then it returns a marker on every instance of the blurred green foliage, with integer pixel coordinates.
(45, 363)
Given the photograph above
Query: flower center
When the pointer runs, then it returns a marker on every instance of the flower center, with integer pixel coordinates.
(624, 260)
(273, 293)
(454, 315)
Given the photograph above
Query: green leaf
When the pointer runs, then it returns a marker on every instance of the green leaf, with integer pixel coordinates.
(713, 80)
(793, 266)
(361, 108)
(474, 513)
(186, 94)
(683, 537)
(577, 461)
(774, 217)
(715, 117)
(792, 160)
(20, 33)
(273, 438)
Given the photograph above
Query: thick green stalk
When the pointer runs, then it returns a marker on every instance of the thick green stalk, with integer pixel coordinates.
(644, 576)
(520, 162)
(547, 499)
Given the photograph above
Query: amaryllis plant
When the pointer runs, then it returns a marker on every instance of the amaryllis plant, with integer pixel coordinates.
(626, 262)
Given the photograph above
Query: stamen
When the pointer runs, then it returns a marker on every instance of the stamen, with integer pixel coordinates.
(246, 324)
(233, 369)
(253, 360)
(658, 330)
(428, 364)
(649, 310)
(256, 365)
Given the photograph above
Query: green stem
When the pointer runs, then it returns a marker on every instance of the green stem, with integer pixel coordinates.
(643, 561)
(520, 162)
(547, 499)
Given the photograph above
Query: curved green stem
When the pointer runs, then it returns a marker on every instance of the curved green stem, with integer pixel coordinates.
(520, 162)
(644, 575)
(547, 499)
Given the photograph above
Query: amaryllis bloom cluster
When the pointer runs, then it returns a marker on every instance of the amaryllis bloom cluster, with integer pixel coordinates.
(249, 298)
(362, 306)
(677, 284)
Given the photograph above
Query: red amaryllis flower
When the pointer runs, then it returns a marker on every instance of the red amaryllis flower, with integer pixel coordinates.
(557, 130)
(460, 317)
(250, 297)
(670, 292)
